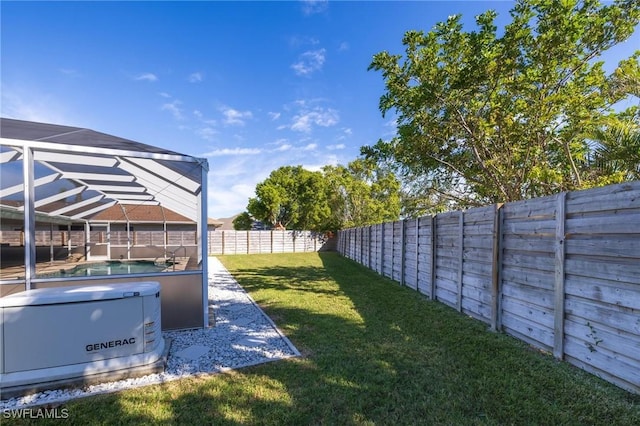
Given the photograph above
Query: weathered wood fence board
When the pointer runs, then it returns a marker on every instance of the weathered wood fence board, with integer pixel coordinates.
(532, 227)
(477, 262)
(425, 256)
(561, 273)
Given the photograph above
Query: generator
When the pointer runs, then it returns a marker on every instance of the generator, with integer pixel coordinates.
(58, 336)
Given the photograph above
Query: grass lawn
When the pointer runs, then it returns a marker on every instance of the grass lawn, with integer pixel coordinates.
(373, 353)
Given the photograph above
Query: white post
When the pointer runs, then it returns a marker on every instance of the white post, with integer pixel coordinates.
(29, 218)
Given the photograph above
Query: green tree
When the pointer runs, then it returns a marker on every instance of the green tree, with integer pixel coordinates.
(243, 222)
(615, 146)
(292, 196)
(616, 153)
(492, 116)
(361, 194)
(334, 198)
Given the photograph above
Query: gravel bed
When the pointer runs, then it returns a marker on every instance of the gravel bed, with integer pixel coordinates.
(243, 335)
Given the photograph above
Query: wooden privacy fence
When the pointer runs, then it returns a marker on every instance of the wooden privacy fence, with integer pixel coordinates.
(251, 242)
(561, 273)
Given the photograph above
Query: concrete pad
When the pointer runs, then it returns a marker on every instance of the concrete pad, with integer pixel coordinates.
(241, 322)
(193, 352)
(252, 342)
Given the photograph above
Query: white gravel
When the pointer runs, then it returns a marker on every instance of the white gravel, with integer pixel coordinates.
(243, 335)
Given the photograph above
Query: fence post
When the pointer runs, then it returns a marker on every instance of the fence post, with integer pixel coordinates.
(393, 254)
(558, 327)
(382, 250)
(417, 254)
(354, 244)
(369, 245)
(376, 237)
(347, 244)
(496, 267)
(403, 251)
(433, 257)
(361, 247)
(460, 257)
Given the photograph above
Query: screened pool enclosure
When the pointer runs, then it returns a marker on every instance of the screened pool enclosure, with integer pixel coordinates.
(80, 207)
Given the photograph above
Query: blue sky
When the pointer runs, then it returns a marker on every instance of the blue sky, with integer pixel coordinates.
(251, 86)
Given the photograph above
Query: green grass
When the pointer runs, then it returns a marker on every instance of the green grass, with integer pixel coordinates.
(373, 353)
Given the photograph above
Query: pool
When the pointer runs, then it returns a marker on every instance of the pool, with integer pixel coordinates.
(110, 267)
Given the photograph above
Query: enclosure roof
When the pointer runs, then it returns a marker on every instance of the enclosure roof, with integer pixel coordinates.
(32, 131)
(79, 172)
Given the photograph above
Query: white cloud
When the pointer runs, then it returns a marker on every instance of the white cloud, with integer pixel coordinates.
(234, 117)
(346, 132)
(298, 41)
(309, 62)
(330, 160)
(70, 72)
(146, 77)
(228, 201)
(233, 180)
(274, 115)
(281, 145)
(310, 147)
(232, 151)
(165, 95)
(304, 121)
(207, 133)
(344, 46)
(335, 147)
(392, 128)
(40, 107)
(174, 109)
(310, 7)
(225, 172)
(197, 113)
(284, 147)
(195, 77)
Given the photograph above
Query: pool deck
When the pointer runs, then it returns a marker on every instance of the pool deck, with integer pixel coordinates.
(17, 272)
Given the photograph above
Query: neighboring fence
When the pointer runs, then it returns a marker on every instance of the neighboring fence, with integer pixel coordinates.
(250, 242)
(219, 242)
(116, 238)
(561, 273)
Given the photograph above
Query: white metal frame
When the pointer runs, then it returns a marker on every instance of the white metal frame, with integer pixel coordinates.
(138, 177)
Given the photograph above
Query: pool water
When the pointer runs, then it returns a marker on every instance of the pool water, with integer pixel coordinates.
(111, 267)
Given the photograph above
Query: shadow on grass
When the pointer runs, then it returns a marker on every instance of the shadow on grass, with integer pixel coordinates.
(377, 352)
(373, 353)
